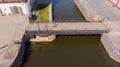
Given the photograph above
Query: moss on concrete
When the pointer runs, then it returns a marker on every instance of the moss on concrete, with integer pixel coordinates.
(42, 13)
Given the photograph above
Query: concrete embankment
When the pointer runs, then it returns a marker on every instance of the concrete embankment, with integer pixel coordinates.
(111, 40)
(50, 12)
(12, 31)
(111, 44)
(94, 10)
(86, 12)
(98, 10)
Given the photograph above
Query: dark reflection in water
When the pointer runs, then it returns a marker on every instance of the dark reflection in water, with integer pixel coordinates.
(66, 10)
(67, 51)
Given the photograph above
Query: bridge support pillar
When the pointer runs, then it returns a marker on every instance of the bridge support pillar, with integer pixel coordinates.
(39, 38)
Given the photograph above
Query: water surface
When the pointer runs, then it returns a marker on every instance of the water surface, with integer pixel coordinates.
(67, 51)
(66, 10)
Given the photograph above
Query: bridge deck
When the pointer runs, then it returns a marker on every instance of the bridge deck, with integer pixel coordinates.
(66, 28)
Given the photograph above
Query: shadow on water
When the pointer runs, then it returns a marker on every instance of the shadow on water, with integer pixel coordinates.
(80, 40)
(82, 18)
(43, 1)
(55, 2)
(41, 6)
(27, 53)
(31, 47)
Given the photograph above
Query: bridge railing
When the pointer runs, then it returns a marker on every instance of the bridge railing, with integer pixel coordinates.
(63, 32)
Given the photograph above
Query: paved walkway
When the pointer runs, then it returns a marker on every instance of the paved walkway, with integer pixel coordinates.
(111, 40)
(8, 27)
(114, 34)
(98, 10)
(11, 30)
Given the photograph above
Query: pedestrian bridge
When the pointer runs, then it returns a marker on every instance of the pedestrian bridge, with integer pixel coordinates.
(73, 28)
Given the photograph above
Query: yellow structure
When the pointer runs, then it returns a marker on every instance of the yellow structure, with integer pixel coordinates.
(43, 39)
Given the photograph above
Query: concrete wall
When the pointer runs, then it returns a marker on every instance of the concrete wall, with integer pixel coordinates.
(112, 51)
(5, 8)
(50, 12)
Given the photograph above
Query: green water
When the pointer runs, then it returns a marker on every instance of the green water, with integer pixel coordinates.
(67, 51)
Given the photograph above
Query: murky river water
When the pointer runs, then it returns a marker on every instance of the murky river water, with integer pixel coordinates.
(68, 51)
(66, 10)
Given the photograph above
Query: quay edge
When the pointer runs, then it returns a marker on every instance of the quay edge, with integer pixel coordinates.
(109, 40)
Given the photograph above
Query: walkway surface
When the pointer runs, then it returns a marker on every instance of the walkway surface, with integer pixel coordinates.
(111, 40)
(114, 34)
(95, 10)
(66, 28)
(11, 30)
